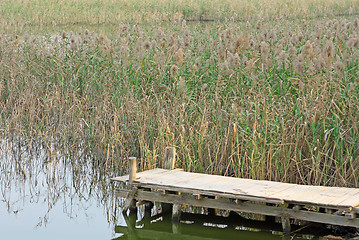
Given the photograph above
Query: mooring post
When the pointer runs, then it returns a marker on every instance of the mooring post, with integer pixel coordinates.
(169, 159)
(131, 201)
(132, 170)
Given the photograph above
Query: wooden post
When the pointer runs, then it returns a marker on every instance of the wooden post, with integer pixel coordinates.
(148, 209)
(176, 215)
(132, 170)
(169, 162)
(286, 225)
(131, 201)
(169, 159)
(176, 212)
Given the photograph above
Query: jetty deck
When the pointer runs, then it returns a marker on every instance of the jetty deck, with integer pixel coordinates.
(246, 189)
(327, 205)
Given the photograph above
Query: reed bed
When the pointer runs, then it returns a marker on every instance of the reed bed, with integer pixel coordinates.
(274, 100)
(43, 15)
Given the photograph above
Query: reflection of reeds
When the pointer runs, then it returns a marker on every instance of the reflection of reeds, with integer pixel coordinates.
(259, 103)
(72, 182)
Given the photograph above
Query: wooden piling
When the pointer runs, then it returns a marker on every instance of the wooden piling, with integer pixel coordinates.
(286, 225)
(131, 201)
(169, 159)
(148, 209)
(169, 162)
(176, 212)
(132, 169)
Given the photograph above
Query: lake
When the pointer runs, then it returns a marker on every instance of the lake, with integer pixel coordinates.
(52, 196)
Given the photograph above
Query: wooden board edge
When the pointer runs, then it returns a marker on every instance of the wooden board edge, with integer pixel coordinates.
(248, 207)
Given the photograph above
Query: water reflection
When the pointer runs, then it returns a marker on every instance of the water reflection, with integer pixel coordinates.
(201, 227)
(46, 192)
(51, 193)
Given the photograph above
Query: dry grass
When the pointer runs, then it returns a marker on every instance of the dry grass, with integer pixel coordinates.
(43, 15)
(251, 98)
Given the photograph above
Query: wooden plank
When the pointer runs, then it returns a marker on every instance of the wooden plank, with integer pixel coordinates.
(352, 199)
(336, 196)
(318, 195)
(264, 189)
(125, 178)
(216, 183)
(172, 179)
(222, 184)
(153, 173)
(202, 182)
(248, 207)
(247, 189)
(119, 193)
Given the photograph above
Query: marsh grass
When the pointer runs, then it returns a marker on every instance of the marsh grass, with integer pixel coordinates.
(258, 99)
(21, 16)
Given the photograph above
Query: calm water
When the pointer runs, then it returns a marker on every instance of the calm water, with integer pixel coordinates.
(47, 197)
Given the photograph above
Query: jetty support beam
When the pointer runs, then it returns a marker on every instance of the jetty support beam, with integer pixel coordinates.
(246, 207)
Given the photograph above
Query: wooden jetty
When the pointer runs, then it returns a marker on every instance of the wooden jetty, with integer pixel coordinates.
(327, 205)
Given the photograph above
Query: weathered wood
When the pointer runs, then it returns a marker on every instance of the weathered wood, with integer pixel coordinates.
(212, 211)
(130, 201)
(253, 190)
(152, 173)
(169, 159)
(176, 212)
(286, 225)
(248, 207)
(351, 215)
(215, 193)
(332, 205)
(132, 169)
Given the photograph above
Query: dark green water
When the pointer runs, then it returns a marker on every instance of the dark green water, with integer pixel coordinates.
(47, 197)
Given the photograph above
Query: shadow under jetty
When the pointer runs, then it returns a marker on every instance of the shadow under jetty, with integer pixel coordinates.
(197, 226)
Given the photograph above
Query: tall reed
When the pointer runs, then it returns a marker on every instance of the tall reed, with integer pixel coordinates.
(261, 100)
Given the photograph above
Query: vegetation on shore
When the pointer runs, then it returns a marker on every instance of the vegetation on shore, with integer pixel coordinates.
(243, 96)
